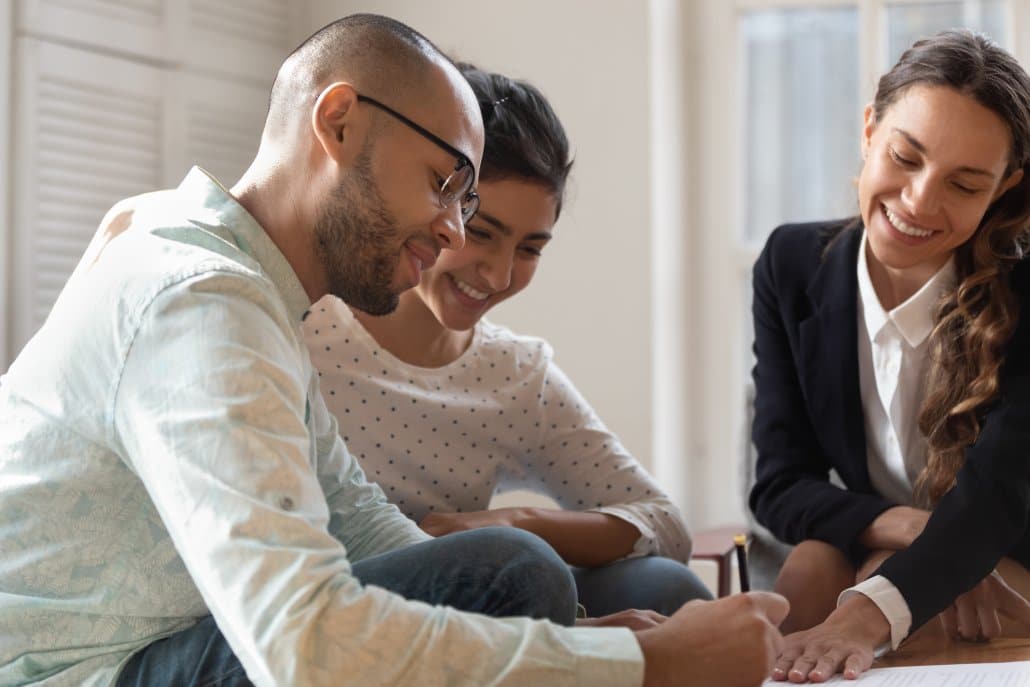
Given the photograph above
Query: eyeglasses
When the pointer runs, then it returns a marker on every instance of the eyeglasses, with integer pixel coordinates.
(457, 187)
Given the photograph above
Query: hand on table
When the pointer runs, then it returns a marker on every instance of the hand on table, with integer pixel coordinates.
(632, 618)
(844, 642)
(974, 616)
(730, 642)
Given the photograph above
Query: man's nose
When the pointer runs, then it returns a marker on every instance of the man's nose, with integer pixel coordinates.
(448, 229)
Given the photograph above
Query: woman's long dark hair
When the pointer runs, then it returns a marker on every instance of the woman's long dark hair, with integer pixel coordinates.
(976, 320)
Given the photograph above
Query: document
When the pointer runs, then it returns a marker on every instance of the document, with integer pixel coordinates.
(1015, 674)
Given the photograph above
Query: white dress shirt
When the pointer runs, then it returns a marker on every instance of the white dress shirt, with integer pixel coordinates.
(892, 366)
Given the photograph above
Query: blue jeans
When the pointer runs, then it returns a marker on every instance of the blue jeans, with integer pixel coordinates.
(650, 582)
(497, 571)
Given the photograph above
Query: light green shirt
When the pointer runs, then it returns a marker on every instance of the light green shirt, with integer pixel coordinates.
(165, 454)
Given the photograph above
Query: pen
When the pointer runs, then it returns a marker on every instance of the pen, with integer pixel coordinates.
(740, 542)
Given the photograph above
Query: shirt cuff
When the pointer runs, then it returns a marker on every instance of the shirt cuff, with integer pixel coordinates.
(645, 544)
(891, 603)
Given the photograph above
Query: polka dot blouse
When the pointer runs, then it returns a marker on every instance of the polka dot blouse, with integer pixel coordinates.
(502, 416)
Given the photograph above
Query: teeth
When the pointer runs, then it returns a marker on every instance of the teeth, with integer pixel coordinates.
(904, 227)
(469, 291)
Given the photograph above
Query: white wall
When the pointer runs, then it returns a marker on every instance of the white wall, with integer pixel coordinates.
(592, 297)
(6, 68)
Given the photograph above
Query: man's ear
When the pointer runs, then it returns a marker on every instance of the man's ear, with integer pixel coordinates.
(335, 122)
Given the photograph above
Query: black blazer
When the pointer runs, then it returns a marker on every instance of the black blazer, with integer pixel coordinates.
(809, 419)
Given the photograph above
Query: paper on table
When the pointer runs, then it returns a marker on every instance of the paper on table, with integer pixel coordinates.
(1015, 674)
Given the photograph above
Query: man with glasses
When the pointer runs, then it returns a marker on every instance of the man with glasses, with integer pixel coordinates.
(179, 508)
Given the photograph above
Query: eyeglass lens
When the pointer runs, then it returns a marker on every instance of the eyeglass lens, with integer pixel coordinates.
(457, 189)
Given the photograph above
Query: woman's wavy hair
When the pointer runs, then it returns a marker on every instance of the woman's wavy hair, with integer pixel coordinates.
(524, 137)
(975, 321)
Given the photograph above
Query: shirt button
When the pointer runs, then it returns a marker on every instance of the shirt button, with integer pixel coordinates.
(286, 503)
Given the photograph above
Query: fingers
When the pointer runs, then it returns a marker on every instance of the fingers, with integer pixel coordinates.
(826, 667)
(949, 621)
(799, 671)
(435, 525)
(856, 664)
(806, 668)
(968, 618)
(1010, 602)
(987, 615)
(784, 664)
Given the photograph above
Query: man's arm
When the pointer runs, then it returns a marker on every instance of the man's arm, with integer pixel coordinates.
(361, 517)
(210, 413)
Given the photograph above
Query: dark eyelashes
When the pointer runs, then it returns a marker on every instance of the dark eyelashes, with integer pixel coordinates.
(904, 162)
(482, 235)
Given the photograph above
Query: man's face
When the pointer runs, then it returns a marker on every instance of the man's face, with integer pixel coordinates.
(386, 222)
(358, 242)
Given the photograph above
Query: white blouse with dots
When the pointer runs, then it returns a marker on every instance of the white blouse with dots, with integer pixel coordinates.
(502, 416)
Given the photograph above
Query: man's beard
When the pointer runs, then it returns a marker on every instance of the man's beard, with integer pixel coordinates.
(358, 243)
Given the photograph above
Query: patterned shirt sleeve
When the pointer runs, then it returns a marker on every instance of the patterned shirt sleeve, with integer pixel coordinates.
(582, 465)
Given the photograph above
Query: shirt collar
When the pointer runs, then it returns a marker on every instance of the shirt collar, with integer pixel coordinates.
(914, 317)
(212, 204)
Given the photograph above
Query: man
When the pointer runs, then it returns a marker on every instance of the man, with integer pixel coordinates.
(178, 506)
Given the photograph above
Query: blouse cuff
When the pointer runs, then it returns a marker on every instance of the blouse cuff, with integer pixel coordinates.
(891, 603)
(647, 542)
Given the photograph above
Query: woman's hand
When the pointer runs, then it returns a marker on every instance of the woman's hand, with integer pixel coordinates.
(974, 616)
(632, 618)
(439, 524)
(583, 538)
(844, 642)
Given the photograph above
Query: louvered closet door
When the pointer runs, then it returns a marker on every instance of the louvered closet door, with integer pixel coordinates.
(88, 130)
(138, 27)
(243, 38)
(216, 123)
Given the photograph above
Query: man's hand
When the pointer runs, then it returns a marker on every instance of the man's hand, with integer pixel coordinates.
(632, 618)
(844, 642)
(730, 642)
(974, 615)
(439, 524)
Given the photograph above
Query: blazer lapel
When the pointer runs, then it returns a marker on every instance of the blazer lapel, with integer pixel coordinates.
(829, 361)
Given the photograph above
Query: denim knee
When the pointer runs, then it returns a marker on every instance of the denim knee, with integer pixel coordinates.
(675, 583)
(535, 574)
(649, 582)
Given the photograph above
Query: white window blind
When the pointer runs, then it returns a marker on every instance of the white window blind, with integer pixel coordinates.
(89, 131)
(118, 97)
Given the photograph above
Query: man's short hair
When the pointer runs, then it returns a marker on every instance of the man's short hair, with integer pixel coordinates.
(380, 56)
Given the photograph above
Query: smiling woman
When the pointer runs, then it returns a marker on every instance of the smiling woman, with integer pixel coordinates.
(890, 349)
(444, 408)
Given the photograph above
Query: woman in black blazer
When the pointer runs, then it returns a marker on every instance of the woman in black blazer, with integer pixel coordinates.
(937, 482)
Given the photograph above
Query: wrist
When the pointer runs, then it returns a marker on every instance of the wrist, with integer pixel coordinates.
(862, 619)
(651, 662)
(527, 518)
